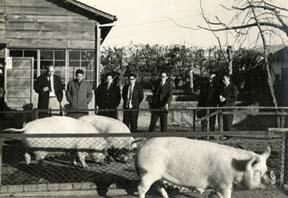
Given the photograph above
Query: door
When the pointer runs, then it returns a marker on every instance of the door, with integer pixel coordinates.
(19, 82)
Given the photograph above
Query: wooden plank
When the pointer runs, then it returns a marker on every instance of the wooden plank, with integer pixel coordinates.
(14, 72)
(81, 44)
(20, 92)
(38, 11)
(2, 10)
(47, 18)
(35, 43)
(48, 44)
(85, 36)
(75, 27)
(2, 34)
(29, 3)
(2, 18)
(2, 26)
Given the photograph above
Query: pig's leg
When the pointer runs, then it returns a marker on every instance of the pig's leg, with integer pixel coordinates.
(27, 157)
(225, 193)
(163, 192)
(40, 155)
(146, 181)
(82, 156)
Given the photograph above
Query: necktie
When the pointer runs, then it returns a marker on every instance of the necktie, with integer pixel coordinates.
(49, 83)
(130, 96)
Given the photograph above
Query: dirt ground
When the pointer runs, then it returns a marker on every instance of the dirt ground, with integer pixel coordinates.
(118, 193)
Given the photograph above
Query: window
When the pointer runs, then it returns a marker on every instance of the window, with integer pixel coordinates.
(77, 59)
(82, 59)
(56, 58)
(26, 53)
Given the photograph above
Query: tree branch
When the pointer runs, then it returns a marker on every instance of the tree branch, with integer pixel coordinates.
(246, 26)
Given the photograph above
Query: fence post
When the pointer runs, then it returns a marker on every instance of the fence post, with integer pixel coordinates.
(278, 124)
(1, 155)
(221, 121)
(208, 123)
(194, 119)
(283, 118)
(283, 174)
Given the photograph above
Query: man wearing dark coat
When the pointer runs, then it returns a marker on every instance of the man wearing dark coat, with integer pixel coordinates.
(79, 95)
(132, 95)
(227, 99)
(161, 99)
(107, 97)
(50, 90)
(208, 97)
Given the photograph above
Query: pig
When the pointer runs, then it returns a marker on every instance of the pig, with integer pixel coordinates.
(110, 125)
(199, 165)
(59, 124)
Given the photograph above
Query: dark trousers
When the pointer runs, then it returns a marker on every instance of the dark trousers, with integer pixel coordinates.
(130, 118)
(112, 113)
(227, 122)
(76, 115)
(163, 120)
(212, 120)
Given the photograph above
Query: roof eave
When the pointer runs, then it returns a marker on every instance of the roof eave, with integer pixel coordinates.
(109, 18)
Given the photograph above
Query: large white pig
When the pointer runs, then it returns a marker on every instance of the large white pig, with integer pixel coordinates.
(110, 125)
(199, 165)
(62, 125)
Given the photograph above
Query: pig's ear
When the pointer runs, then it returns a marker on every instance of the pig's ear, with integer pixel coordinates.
(267, 152)
(251, 163)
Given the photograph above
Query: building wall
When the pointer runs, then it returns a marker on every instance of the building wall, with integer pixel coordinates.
(44, 24)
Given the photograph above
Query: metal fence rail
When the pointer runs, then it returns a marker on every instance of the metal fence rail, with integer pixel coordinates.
(272, 117)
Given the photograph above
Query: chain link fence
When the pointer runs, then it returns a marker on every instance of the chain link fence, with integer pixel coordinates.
(58, 170)
(52, 162)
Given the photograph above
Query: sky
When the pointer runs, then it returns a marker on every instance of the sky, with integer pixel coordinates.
(163, 22)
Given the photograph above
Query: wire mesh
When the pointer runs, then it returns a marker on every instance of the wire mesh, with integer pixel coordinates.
(110, 157)
(115, 169)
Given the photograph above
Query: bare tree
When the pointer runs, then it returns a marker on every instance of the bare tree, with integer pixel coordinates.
(269, 20)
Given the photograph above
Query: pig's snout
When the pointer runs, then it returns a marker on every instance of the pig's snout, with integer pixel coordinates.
(269, 179)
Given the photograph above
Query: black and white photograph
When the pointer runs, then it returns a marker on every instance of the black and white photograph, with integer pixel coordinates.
(144, 98)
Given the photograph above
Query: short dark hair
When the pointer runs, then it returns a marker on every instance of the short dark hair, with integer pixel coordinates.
(163, 72)
(109, 74)
(79, 71)
(132, 75)
(228, 76)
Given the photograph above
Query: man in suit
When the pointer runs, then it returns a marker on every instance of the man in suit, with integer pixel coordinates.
(161, 99)
(79, 95)
(208, 97)
(50, 90)
(228, 99)
(132, 95)
(107, 97)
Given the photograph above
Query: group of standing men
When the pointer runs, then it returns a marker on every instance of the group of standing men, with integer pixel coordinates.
(217, 92)
(107, 97)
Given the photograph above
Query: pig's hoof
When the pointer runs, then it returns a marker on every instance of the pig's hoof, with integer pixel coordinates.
(213, 195)
(27, 158)
(85, 166)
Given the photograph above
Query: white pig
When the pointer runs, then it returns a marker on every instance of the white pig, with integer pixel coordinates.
(199, 165)
(110, 125)
(62, 125)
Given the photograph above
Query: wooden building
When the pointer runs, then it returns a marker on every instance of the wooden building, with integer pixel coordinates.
(36, 33)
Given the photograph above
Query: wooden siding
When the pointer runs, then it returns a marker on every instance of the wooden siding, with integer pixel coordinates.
(44, 24)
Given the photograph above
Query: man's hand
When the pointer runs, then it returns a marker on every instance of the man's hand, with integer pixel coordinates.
(166, 107)
(45, 89)
(222, 99)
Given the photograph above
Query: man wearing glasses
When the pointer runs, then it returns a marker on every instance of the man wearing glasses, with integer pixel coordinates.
(162, 95)
(132, 95)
